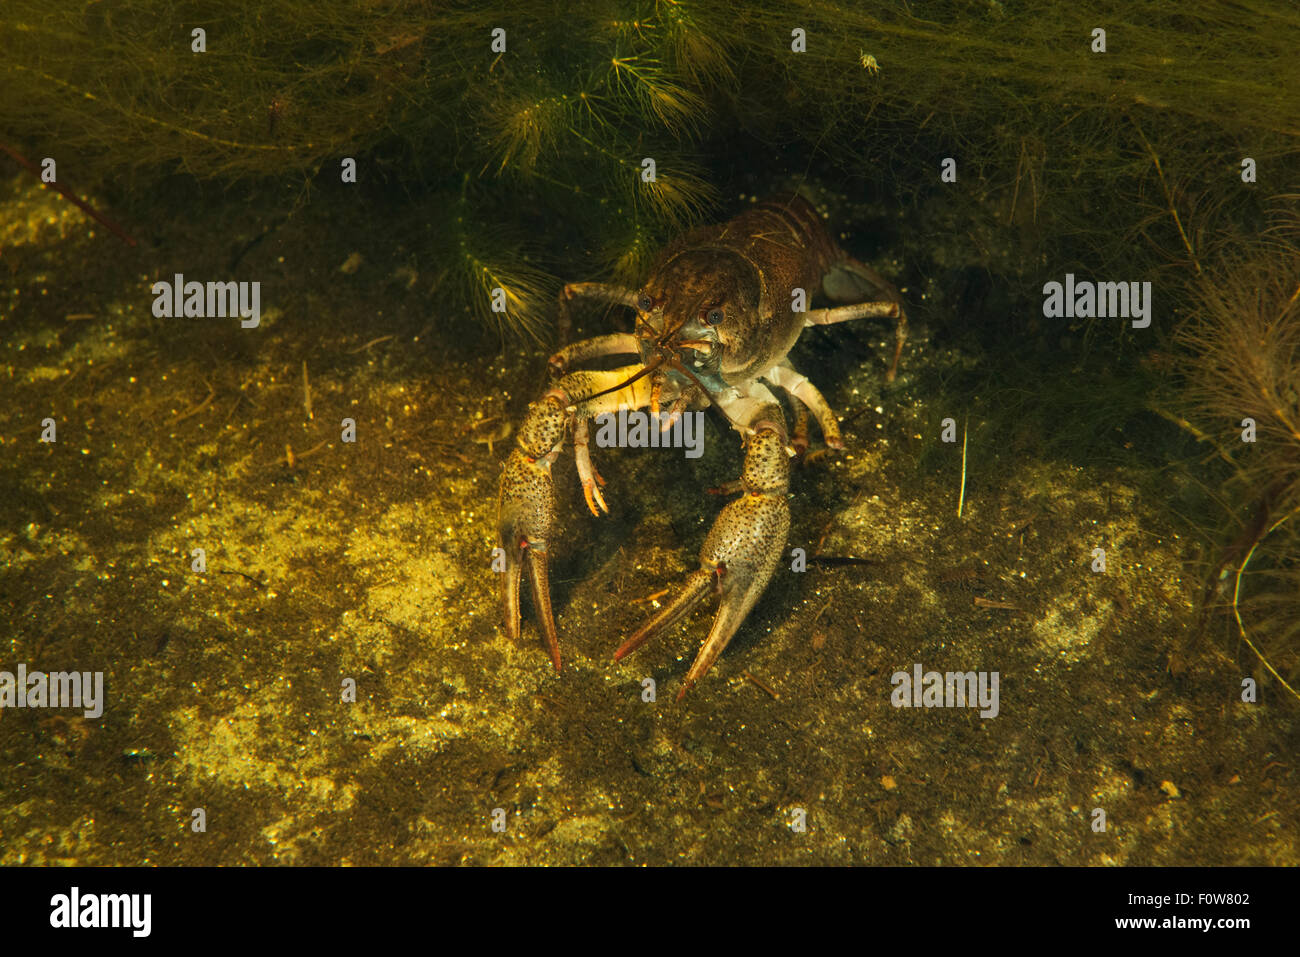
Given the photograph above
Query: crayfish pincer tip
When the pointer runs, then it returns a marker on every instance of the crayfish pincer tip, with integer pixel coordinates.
(553, 647)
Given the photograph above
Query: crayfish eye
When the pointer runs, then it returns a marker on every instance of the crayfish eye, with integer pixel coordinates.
(645, 303)
(714, 316)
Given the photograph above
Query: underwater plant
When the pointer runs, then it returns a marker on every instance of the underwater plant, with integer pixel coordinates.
(1242, 389)
(554, 116)
(547, 114)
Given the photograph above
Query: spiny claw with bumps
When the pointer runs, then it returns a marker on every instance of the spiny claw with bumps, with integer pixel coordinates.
(741, 552)
(526, 514)
(526, 519)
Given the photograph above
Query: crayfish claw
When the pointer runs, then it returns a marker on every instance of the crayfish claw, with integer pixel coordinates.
(526, 510)
(539, 577)
(738, 558)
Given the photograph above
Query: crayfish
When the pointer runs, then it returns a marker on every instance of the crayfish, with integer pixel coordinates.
(714, 324)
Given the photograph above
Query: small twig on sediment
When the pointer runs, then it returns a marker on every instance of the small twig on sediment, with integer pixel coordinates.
(372, 342)
(293, 458)
(991, 603)
(306, 392)
(256, 581)
(760, 684)
(212, 393)
(961, 498)
(833, 561)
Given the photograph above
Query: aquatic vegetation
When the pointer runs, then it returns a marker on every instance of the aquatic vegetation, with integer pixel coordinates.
(564, 115)
(1242, 372)
(568, 110)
